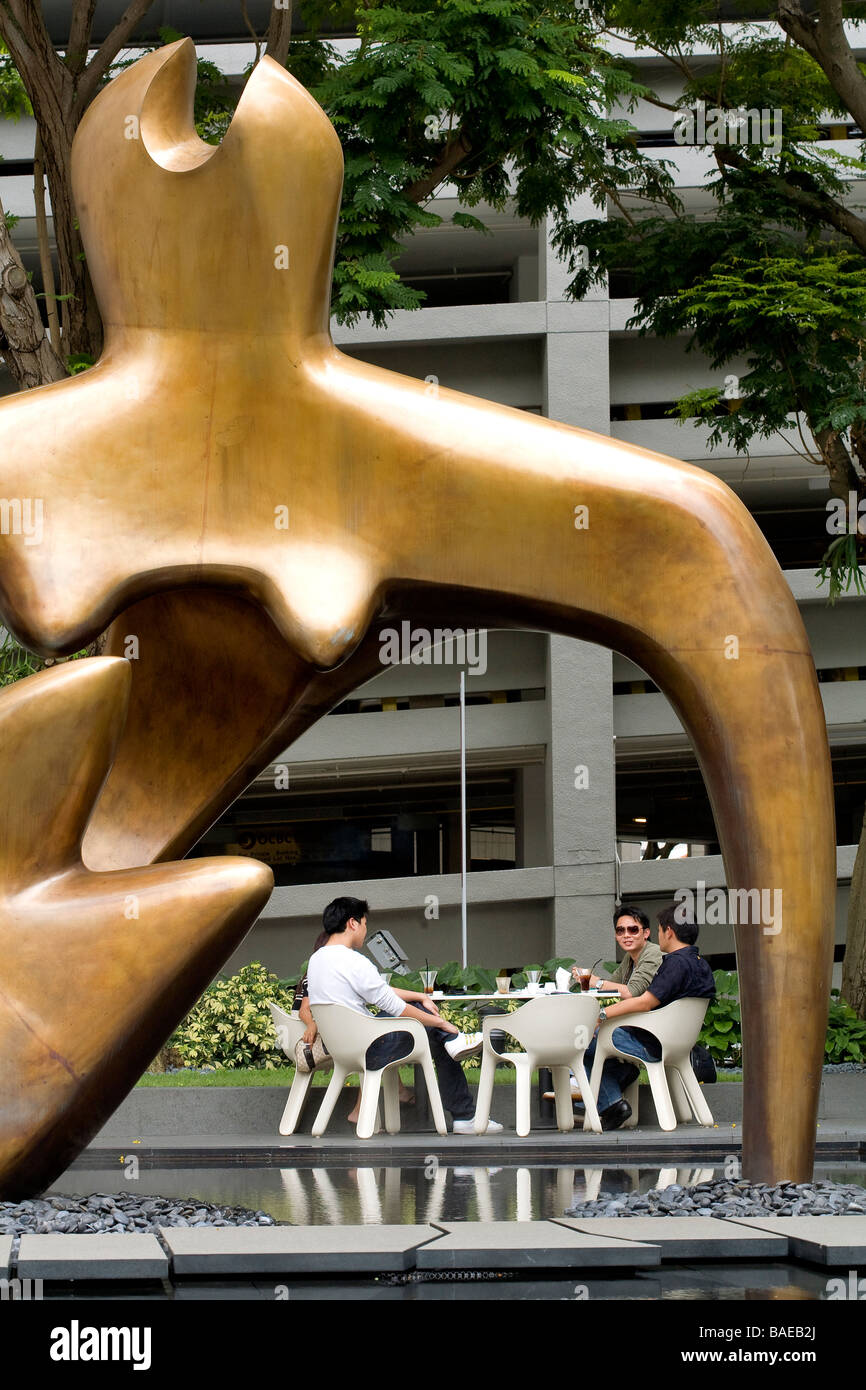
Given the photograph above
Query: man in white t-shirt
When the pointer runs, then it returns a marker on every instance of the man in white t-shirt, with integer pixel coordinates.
(339, 974)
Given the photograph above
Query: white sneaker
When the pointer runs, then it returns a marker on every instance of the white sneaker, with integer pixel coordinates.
(463, 1045)
(575, 1092)
(468, 1127)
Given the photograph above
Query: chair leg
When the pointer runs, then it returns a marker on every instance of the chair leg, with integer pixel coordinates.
(632, 1096)
(485, 1093)
(696, 1097)
(391, 1088)
(562, 1096)
(521, 1090)
(681, 1102)
(433, 1095)
(326, 1109)
(590, 1118)
(295, 1103)
(368, 1114)
(661, 1095)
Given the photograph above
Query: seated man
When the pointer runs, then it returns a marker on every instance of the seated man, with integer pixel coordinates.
(339, 974)
(631, 928)
(681, 975)
(632, 976)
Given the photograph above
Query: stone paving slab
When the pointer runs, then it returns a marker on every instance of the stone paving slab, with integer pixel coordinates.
(5, 1256)
(303, 1250)
(528, 1245)
(686, 1237)
(63, 1256)
(825, 1240)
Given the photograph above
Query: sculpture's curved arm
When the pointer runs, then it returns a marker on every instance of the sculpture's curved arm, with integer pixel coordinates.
(667, 566)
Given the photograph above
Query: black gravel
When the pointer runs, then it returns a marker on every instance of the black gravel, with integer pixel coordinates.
(731, 1199)
(107, 1212)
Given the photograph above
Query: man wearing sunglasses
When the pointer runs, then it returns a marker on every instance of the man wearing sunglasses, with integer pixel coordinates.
(683, 974)
(642, 957)
(635, 971)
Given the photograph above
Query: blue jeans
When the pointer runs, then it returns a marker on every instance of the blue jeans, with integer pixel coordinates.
(455, 1093)
(617, 1075)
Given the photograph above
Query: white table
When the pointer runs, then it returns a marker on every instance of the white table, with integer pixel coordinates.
(439, 997)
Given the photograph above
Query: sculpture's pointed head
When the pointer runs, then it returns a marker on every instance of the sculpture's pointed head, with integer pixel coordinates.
(181, 234)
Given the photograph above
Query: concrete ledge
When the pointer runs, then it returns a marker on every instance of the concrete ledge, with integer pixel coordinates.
(529, 1245)
(823, 1240)
(686, 1237)
(91, 1257)
(301, 1250)
(232, 1111)
(5, 1256)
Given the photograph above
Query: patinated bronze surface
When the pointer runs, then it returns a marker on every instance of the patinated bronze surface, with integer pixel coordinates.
(95, 968)
(252, 505)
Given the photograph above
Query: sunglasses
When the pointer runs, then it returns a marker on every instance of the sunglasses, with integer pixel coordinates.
(627, 931)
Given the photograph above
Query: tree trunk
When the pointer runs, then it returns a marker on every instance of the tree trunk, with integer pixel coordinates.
(45, 261)
(24, 343)
(854, 969)
(280, 33)
(80, 318)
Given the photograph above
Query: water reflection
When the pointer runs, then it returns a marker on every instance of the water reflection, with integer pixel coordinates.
(426, 1192)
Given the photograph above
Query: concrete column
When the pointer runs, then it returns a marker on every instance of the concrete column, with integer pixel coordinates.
(531, 817)
(580, 770)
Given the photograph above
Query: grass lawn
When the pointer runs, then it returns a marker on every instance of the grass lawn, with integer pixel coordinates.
(283, 1076)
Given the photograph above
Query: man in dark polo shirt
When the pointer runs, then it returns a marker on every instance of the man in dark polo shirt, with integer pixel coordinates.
(681, 975)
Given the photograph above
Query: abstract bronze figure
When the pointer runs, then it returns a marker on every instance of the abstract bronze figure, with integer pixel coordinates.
(96, 967)
(247, 502)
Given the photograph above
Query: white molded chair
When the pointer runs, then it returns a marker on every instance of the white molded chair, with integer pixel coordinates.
(555, 1032)
(675, 1088)
(348, 1035)
(289, 1033)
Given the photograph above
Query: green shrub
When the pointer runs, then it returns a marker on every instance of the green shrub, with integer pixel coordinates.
(721, 1031)
(231, 1024)
(846, 1033)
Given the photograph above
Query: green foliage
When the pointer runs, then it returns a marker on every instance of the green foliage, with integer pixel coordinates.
(721, 1030)
(500, 98)
(78, 362)
(231, 1024)
(846, 1033)
(16, 662)
(14, 101)
(776, 275)
(840, 568)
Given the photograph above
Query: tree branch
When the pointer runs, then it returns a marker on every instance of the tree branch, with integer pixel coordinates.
(109, 49)
(452, 156)
(824, 40)
(249, 23)
(80, 27)
(818, 204)
(23, 31)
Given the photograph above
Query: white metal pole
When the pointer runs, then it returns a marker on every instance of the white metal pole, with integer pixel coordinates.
(463, 817)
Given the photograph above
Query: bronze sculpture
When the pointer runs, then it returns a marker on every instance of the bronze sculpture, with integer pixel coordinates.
(244, 500)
